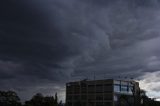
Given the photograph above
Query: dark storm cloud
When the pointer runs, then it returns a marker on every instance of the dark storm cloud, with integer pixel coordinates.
(54, 41)
(28, 39)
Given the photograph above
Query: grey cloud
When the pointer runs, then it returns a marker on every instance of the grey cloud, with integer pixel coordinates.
(54, 41)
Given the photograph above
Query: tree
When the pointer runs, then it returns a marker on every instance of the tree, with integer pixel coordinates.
(9, 98)
(60, 103)
(49, 101)
(56, 100)
(37, 100)
(40, 100)
(125, 100)
(146, 101)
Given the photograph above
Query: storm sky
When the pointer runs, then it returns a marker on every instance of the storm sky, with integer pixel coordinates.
(46, 43)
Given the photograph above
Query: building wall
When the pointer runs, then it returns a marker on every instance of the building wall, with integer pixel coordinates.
(97, 92)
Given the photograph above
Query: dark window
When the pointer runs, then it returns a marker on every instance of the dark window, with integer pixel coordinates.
(83, 84)
(69, 103)
(69, 89)
(91, 89)
(76, 89)
(107, 88)
(84, 103)
(99, 103)
(99, 97)
(107, 103)
(69, 97)
(91, 97)
(108, 97)
(76, 97)
(84, 90)
(99, 88)
(84, 97)
(91, 103)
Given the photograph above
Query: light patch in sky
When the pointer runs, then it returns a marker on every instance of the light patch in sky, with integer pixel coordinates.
(151, 83)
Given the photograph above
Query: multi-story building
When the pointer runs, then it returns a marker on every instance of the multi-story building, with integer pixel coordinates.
(108, 92)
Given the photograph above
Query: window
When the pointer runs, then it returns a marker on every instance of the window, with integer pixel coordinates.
(99, 88)
(115, 98)
(124, 83)
(69, 97)
(108, 88)
(76, 89)
(107, 103)
(91, 103)
(108, 97)
(76, 97)
(84, 90)
(69, 103)
(91, 97)
(84, 103)
(124, 89)
(99, 97)
(69, 89)
(91, 89)
(99, 103)
(84, 97)
(116, 88)
(117, 82)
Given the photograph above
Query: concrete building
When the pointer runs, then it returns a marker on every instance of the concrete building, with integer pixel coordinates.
(107, 92)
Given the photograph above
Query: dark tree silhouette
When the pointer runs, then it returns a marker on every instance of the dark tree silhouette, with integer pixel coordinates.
(9, 98)
(124, 101)
(60, 103)
(146, 101)
(40, 100)
(37, 100)
(142, 98)
(56, 100)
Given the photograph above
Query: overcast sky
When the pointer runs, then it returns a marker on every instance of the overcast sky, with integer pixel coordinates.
(46, 43)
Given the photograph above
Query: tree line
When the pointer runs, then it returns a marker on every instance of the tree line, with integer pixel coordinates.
(137, 100)
(10, 98)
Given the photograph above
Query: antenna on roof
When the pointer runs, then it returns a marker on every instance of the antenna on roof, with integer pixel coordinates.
(94, 75)
(132, 78)
(119, 77)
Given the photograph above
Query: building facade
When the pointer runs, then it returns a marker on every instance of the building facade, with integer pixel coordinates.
(107, 92)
